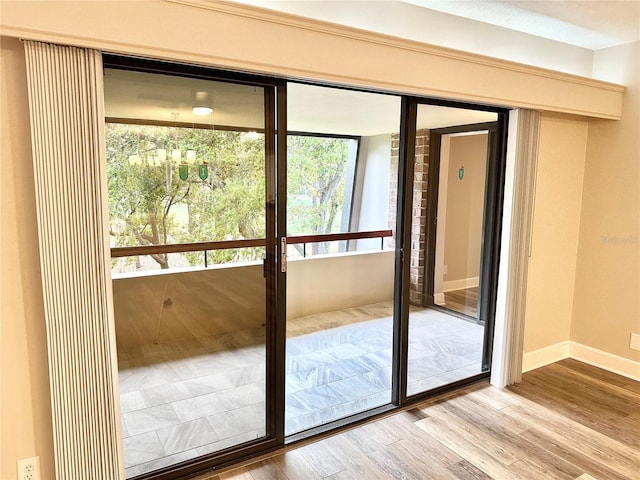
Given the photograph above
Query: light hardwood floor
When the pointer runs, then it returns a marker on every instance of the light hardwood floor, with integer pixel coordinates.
(564, 421)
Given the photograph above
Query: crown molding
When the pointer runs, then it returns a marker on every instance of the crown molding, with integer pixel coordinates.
(321, 26)
(246, 38)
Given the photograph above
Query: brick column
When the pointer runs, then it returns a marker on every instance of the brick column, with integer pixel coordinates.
(418, 209)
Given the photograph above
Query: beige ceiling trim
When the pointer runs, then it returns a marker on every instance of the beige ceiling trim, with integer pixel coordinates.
(301, 48)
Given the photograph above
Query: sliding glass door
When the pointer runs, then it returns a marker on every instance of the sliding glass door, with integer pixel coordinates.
(190, 178)
(342, 157)
(452, 232)
(288, 258)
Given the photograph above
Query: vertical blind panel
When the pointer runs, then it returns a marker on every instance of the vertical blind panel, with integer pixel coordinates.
(66, 110)
(527, 136)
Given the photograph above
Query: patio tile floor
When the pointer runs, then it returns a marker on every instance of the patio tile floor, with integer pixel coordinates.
(177, 408)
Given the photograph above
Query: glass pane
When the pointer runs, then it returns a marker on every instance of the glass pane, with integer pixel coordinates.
(190, 325)
(342, 177)
(445, 336)
(319, 169)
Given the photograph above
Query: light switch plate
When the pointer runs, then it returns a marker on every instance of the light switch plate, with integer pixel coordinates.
(634, 343)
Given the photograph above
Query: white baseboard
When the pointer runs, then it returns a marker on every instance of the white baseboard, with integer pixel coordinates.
(545, 356)
(438, 299)
(605, 360)
(592, 356)
(460, 284)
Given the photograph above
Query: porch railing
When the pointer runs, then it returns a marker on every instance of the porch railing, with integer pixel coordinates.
(117, 252)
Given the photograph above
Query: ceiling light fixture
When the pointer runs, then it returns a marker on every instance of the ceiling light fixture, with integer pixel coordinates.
(200, 110)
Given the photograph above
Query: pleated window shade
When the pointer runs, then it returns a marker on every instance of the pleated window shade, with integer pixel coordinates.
(524, 128)
(67, 128)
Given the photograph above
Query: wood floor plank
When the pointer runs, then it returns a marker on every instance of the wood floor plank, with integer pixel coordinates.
(584, 404)
(463, 301)
(585, 476)
(238, 474)
(386, 463)
(357, 462)
(491, 444)
(491, 397)
(609, 452)
(324, 461)
(403, 427)
(578, 461)
(499, 430)
(421, 460)
(609, 378)
(465, 470)
(267, 470)
(616, 398)
(296, 466)
(490, 418)
(466, 448)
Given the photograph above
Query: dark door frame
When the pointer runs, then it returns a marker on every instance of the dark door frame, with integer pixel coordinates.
(491, 224)
(275, 170)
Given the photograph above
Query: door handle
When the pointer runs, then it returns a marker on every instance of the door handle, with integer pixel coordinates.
(283, 254)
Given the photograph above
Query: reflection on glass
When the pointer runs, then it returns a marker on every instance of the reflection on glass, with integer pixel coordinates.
(190, 325)
(445, 344)
(342, 176)
(460, 210)
(214, 192)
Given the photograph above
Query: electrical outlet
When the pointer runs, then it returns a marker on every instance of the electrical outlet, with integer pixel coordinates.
(29, 469)
(634, 343)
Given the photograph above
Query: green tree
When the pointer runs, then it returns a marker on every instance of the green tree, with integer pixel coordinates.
(316, 172)
(150, 204)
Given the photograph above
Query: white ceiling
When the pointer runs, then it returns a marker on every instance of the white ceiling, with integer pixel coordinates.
(593, 24)
(589, 24)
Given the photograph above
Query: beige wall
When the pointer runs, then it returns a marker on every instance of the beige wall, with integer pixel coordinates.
(556, 223)
(465, 207)
(25, 409)
(607, 291)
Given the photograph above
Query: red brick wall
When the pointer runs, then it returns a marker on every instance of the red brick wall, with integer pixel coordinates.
(418, 210)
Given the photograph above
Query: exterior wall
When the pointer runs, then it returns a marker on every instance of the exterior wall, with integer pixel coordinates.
(556, 221)
(178, 306)
(332, 282)
(25, 407)
(372, 194)
(607, 300)
(419, 217)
